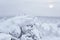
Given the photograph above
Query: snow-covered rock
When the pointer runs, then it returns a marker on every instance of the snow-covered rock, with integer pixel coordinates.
(29, 28)
(4, 36)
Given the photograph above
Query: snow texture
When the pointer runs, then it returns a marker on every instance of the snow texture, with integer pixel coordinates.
(30, 28)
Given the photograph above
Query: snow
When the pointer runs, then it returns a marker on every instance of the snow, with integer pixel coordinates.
(29, 28)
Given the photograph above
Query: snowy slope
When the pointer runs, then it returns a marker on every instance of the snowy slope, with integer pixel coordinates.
(30, 28)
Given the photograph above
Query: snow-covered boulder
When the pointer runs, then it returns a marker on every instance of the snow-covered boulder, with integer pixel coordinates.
(4, 36)
(29, 28)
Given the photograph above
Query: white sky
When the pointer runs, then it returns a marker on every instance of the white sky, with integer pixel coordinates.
(30, 7)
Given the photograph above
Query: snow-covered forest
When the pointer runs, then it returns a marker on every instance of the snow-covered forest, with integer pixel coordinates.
(30, 28)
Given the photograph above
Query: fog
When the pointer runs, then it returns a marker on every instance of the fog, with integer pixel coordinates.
(29, 7)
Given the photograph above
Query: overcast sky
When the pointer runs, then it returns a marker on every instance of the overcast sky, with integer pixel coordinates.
(29, 7)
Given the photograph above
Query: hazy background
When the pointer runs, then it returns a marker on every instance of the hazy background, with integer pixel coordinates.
(29, 7)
